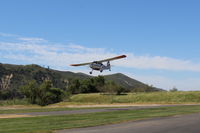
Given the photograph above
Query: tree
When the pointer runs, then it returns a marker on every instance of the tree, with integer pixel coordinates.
(120, 90)
(48, 95)
(6, 94)
(74, 86)
(43, 94)
(5, 82)
(112, 88)
(174, 89)
(30, 91)
(94, 85)
(99, 83)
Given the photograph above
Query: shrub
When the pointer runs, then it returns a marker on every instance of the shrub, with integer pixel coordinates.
(43, 94)
(112, 88)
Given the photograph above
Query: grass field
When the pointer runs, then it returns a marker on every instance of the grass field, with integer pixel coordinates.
(44, 124)
(153, 97)
(180, 97)
(47, 124)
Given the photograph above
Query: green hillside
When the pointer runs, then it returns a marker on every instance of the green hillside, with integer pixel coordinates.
(124, 80)
(17, 75)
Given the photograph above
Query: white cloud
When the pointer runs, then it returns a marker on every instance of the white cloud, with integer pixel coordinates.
(79, 48)
(7, 35)
(33, 51)
(40, 51)
(158, 62)
(32, 39)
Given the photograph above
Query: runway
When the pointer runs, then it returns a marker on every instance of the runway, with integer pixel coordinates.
(175, 124)
(84, 111)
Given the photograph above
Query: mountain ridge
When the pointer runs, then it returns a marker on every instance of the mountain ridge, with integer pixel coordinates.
(20, 74)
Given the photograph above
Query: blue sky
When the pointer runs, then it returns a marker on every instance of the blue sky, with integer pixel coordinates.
(161, 38)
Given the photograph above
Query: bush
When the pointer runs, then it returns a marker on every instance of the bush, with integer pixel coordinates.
(174, 89)
(30, 91)
(91, 85)
(112, 88)
(43, 94)
(5, 94)
(94, 85)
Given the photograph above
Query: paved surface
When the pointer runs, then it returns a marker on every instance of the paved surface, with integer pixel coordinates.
(177, 124)
(83, 111)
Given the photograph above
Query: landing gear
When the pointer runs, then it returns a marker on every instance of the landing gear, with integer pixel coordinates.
(91, 72)
(101, 71)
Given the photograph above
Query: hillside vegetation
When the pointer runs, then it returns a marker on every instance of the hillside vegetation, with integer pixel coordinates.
(45, 86)
(17, 81)
(21, 74)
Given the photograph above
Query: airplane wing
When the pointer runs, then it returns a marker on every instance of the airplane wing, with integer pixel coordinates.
(114, 58)
(82, 64)
(105, 60)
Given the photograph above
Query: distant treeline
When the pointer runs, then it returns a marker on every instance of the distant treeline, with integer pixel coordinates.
(45, 93)
(94, 85)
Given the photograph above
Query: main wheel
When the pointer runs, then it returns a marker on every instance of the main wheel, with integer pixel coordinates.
(90, 72)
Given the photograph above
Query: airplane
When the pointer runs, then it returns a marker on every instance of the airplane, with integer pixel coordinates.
(98, 65)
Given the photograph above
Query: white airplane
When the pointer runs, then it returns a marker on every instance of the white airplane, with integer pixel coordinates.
(98, 65)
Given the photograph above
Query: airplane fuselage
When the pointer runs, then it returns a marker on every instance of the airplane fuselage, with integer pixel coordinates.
(99, 66)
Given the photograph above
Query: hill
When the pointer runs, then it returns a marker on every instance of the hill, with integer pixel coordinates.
(124, 80)
(13, 76)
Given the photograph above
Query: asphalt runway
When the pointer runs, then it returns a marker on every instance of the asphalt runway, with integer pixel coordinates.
(83, 111)
(176, 124)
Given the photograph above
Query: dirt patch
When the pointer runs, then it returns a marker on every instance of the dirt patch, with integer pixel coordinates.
(62, 105)
(111, 105)
(19, 107)
(13, 116)
(107, 105)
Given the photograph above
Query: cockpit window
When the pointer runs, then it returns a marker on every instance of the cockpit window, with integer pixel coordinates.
(96, 62)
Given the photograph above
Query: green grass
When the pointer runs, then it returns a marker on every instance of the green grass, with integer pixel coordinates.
(47, 124)
(153, 97)
(179, 97)
(80, 99)
(13, 111)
